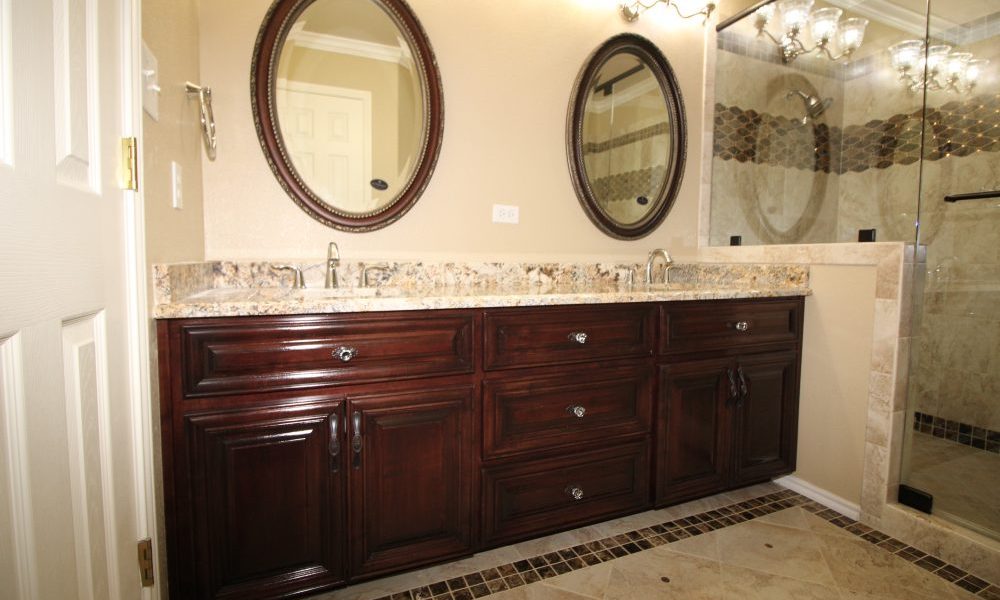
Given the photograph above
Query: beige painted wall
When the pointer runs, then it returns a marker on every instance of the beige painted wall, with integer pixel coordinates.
(836, 359)
(508, 68)
(170, 30)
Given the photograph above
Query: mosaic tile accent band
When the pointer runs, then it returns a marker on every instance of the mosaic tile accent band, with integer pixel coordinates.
(955, 431)
(524, 572)
(957, 128)
(630, 185)
(645, 133)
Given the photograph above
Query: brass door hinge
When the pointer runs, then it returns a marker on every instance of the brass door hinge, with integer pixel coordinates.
(146, 562)
(130, 164)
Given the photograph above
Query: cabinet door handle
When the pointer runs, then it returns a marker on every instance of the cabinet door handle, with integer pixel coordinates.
(577, 411)
(744, 388)
(334, 442)
(732, 386)
(741, 326)
(356, 439)
(575, 491)
(345, 353)
(578, 337)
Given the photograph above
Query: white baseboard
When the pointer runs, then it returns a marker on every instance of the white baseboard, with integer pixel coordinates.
(817, 494)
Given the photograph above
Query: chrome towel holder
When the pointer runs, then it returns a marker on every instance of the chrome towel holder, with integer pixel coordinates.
(204, 94)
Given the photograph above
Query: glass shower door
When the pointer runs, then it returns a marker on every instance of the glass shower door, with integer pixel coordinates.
(952, 449)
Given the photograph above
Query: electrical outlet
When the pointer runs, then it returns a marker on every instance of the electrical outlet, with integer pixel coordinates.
(503, 213)
(177, 185)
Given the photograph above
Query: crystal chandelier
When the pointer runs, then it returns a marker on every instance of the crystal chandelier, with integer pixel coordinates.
(935, 67)
(823, 24)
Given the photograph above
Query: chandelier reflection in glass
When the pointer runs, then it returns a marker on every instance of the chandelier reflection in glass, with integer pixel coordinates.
(824, 26)
(935, 67)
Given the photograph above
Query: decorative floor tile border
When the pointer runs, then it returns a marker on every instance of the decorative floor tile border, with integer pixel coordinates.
(958, 432)
(537, 568)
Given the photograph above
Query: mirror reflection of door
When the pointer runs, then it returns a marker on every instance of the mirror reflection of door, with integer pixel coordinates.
(328, 136)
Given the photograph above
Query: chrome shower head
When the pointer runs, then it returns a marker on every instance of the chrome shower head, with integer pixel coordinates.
(813, 104)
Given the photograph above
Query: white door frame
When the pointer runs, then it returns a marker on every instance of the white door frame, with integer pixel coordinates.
(137, 278)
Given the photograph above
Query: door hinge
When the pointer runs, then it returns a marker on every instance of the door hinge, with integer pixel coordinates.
(130, 164)
(146, 562)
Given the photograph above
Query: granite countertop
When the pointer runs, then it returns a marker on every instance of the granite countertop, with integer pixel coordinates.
(228, 289)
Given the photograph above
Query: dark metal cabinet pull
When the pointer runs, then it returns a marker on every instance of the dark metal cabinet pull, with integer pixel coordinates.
(744, 388)
(356, 439)
(334, 441)
(732, 385)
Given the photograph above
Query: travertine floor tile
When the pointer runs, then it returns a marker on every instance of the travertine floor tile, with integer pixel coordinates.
(746, 584)
(592, 581)
(660, 573)
(858, 566)
(775, 549)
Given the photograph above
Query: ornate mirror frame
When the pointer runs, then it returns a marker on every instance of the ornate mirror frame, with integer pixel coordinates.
(650, 55)
(270, 40)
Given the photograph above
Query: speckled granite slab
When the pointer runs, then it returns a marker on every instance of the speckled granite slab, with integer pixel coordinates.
(244, 289)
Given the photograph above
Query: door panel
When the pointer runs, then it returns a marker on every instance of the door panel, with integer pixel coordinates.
(268, 501)
(412, 481)
(767, 417)
(693, 430)
(67, 398)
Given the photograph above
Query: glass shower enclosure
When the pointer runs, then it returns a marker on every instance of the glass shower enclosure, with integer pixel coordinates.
(863, 120)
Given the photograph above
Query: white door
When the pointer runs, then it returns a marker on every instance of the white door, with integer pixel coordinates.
(327, 131)
(68, 509)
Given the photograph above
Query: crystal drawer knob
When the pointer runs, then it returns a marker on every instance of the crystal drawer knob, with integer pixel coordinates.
(575, 492)
(576, 411)
(345, 353)
(742, 326)
(578, 336)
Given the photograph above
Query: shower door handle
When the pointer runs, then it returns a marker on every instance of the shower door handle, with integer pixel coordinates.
(972, 196)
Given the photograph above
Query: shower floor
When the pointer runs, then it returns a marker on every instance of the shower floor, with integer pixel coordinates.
(964, 481)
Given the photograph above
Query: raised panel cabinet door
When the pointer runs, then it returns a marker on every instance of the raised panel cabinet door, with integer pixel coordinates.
(268, 502)
(766, 417)
(693, 430)
(413, 464)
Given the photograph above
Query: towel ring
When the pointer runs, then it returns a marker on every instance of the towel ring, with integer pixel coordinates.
(204, 94)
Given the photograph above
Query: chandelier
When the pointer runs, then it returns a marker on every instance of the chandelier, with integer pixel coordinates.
(823, 24)
(631, 9)
(935, 67)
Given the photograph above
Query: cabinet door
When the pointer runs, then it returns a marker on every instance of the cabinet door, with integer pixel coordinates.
(693, 430)
(268, 501)
(413, 465)
(766, 417)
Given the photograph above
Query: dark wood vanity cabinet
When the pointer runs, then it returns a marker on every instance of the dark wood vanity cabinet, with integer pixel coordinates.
(305, 452)
(728, 395)
(413, 468)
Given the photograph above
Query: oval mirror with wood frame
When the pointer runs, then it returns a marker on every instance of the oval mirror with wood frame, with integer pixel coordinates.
(348, 107)
(626, 137)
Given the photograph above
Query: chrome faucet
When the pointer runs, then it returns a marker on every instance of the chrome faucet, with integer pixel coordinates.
(667, 263)
(366, 269)
(332, 262)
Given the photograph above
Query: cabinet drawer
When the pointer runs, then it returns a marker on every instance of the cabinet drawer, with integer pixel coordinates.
(695, 326)
(564, 334)
(533, 497)
(236, 355)
(541, 412)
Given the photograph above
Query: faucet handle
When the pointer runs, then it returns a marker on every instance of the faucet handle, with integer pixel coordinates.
(299, 281)
(366, 268)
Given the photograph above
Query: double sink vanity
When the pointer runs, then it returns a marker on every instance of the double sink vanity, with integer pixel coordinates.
(313, 438)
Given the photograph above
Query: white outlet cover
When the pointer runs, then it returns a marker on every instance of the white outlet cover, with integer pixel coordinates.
(504, 213)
